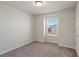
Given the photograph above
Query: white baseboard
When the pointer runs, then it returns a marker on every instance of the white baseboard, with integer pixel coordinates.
(52, 42)
(14, 48)
(28, 43)
(58, 44)
(39, 40)
(77, 53)
(66, 46)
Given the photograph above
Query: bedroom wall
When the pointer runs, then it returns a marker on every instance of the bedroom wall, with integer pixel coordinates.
(77, 28)
(16, 28)
(66, 35)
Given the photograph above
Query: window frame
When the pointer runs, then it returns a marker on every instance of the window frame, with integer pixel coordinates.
(46, 24)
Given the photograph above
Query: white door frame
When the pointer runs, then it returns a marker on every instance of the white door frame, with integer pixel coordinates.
(45, 26)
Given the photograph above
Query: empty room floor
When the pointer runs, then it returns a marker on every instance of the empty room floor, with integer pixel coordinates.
(41, 49)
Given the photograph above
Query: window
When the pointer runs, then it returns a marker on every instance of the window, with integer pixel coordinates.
(52, 26)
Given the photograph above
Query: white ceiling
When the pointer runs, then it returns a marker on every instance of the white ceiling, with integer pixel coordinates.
(50, 6)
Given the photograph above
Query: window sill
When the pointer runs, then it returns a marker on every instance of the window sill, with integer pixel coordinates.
(52, 35)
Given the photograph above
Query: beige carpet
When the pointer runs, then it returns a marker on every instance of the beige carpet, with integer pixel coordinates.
(39, 49)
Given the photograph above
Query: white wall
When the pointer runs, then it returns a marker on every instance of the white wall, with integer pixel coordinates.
(66, 28)
(77, 28)
(16, 28)
(39, 29)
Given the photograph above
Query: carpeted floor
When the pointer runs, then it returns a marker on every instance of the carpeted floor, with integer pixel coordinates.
(40, 49)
